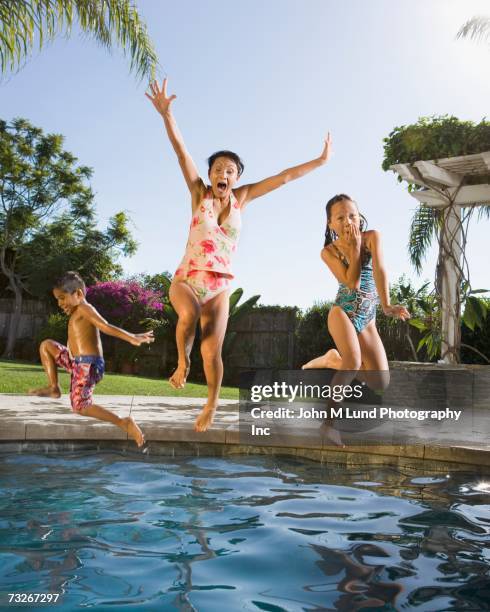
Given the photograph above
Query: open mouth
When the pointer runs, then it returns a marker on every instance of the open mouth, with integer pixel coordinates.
(222, 185)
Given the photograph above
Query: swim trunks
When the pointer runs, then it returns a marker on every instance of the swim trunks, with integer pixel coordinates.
(86, 371)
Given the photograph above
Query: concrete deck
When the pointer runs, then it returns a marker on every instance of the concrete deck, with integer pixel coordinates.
(167, 422)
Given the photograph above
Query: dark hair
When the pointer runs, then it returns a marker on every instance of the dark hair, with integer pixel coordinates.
(230, 155)
(330, 235)
(69, 282)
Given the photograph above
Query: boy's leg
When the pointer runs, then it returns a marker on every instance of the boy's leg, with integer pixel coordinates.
(186, 305)
(127, 424)
(49, 351)
(214, 319)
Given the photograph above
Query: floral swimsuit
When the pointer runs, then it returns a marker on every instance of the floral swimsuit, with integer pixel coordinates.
(359, 304)
(206, 266)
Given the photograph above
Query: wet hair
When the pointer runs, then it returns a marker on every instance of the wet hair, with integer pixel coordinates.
(230, 155)
(330, 235)
(69, 282)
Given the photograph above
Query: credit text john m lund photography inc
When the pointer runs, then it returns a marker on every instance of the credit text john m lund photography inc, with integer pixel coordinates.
(244, 305)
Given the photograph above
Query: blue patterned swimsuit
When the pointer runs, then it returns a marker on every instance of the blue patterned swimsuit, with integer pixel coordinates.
(359, 304)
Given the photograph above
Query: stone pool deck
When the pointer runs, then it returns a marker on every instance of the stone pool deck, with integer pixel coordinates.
(167, 422)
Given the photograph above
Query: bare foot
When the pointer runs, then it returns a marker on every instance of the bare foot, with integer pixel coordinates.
(331, 434)
(331, 360)
(179, 377)
(46, 392)
(205, 418)
(130, 425)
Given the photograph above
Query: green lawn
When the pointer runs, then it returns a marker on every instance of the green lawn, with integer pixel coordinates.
(19, 376)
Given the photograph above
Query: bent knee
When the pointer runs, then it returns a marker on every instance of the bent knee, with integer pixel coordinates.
(210, 353)
(377, 381)
(351, 362)
(78, 405)
(48, 345)
(188, 318)
(382, 381)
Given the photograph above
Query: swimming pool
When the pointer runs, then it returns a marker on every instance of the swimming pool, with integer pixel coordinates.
(110, 531)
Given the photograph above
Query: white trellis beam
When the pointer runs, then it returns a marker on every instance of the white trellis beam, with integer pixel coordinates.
(469, 195)
(438, 175)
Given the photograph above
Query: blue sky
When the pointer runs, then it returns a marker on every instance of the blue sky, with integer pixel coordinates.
(268, 80)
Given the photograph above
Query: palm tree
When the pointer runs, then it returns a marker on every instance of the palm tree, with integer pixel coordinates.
(109, 22)
(477, 28)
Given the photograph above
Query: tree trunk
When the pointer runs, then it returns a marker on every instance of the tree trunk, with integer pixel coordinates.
(15, 316)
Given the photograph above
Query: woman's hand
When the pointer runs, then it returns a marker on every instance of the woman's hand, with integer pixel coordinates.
(396, 311)
(159, 97)
(327, 149)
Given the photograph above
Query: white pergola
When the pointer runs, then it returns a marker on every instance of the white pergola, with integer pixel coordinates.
(443, 183)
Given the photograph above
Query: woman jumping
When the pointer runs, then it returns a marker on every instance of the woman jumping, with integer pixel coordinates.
(199, 289)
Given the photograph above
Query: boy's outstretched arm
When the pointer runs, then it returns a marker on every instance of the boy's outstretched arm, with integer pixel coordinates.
(162, 104)
(91, 314)
(255, 190)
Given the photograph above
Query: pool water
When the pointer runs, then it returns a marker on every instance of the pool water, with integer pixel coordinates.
(114, 532)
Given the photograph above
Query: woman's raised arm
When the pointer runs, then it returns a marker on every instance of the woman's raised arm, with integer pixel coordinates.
(256, 190)
(162, 104)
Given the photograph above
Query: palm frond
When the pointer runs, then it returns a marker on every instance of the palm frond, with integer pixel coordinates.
(110, 22)
(484, 211)
(422, 230)
(477, 28)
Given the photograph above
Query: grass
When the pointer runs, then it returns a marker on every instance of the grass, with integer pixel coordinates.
(20, 376)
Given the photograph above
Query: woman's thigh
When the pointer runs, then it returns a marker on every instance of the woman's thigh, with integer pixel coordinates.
(184, 300)
(214, 319)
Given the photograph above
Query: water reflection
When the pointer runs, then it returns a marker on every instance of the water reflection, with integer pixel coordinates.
(255, 532)
(361, 585)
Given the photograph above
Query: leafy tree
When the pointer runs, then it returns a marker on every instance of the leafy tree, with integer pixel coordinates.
(47, 217)
(109, 22)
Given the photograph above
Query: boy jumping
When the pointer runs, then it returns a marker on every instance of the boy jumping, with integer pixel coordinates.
(83, 355)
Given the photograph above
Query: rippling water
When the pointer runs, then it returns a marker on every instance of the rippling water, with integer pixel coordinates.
(114, 532)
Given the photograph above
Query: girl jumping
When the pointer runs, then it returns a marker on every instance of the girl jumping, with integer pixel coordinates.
(354, 257)
(199, 289)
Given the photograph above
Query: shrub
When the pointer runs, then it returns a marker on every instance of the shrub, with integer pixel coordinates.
(312, 336)
(125, 303)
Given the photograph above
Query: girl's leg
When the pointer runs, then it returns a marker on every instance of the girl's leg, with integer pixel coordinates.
(48, 351)
(187, 307)
(348, 359)
(375, 369)
(127, 424)
(331, 359)
(346, 340)
(214, 319)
